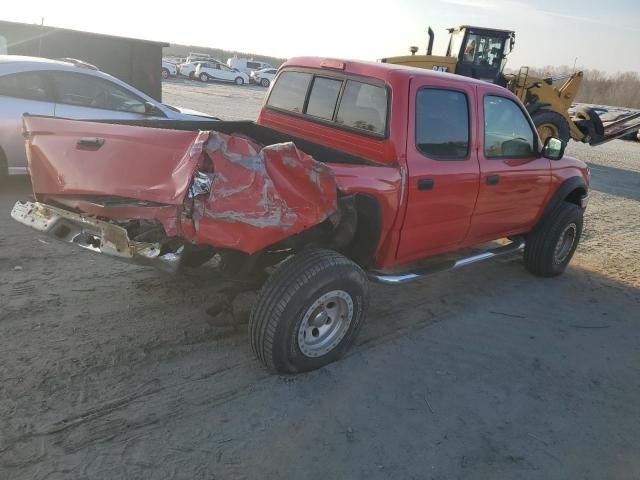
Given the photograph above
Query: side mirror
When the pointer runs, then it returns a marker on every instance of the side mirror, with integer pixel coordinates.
(152, 110)
(553, 148)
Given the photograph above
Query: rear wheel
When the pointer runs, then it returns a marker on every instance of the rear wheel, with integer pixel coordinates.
(204, 77)
(192, 75)
(264, 82)
(308, 312)
(239, 81)
(165, 73)
(551, 245)
(551, 124)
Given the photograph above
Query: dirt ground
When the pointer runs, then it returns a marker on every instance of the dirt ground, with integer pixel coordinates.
(111, 371)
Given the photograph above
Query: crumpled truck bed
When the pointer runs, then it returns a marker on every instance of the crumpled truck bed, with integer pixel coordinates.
(205, 186)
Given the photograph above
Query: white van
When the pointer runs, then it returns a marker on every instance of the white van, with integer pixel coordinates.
(247, 65)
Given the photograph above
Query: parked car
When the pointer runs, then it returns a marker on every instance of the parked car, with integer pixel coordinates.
(246, 65)
(70, 89)
(188, 69)
(168, 69)
(208, 71)
(407, 164)
(264, 77)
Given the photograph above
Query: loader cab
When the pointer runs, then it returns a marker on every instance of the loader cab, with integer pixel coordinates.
(480, 52)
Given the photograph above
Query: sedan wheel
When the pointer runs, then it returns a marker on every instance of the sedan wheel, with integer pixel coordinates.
(204, 77)
(239, 81)
(264, 82)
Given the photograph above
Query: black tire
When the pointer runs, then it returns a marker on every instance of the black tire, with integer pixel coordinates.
(554, 121)
(239, 81)
(192, 75)
(591, 115)
(165, 73)
(545, 253)
(264, 82)
(204, 77)
(287, 298)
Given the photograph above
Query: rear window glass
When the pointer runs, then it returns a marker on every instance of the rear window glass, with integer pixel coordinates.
(363, 106)
(28, 85)
(323, 97)
(442, 124)
(289, 91)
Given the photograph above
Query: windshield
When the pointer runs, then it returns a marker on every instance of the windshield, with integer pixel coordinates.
(483, 50)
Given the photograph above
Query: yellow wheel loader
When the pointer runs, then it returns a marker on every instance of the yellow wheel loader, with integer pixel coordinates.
(482, 52)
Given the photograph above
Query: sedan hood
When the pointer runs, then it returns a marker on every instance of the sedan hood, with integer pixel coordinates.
(194, 113)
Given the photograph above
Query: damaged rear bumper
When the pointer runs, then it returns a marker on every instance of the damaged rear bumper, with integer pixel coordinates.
(92, 234)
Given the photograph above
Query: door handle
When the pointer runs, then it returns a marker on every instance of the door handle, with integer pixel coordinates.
(425, 183)
(493, 179)
(90, 142)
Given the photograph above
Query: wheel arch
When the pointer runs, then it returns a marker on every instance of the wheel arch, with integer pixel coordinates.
(571, 190)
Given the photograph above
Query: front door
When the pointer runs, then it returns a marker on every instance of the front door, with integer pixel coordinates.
(514, 178)
(442, 167)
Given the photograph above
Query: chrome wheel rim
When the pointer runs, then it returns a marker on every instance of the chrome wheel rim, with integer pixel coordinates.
(325, 323)
(565, 243)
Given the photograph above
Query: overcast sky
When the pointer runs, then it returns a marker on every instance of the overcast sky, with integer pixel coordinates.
(601, 34)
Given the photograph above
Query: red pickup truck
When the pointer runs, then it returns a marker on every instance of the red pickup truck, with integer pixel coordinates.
(351, 168)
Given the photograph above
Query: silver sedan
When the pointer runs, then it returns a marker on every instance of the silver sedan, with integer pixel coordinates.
(69, 89)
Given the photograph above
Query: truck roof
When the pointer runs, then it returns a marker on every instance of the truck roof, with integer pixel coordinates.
(374, 69)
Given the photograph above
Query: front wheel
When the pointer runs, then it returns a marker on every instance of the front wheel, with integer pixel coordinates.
(308, 312)
(239, 81)
(551, 244)
(204, 77)
(264, 82)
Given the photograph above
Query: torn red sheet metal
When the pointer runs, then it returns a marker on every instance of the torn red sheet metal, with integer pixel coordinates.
(209, 187)
(260, 196)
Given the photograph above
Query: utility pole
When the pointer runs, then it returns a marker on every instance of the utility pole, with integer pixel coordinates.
(574, 64)
(40, 40)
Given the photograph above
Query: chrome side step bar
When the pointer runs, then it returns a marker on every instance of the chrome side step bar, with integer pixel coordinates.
(517, 244)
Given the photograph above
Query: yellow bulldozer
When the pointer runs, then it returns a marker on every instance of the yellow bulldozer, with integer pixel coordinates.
(482, 53)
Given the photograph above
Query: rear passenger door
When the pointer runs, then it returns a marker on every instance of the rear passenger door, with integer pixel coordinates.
(442, 167)
(514, 178)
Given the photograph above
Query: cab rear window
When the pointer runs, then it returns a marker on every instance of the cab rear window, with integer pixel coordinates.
(346, 102)
(289, 91)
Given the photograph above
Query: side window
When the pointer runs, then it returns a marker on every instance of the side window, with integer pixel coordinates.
(89, 91)
(289, 91)
(323, 97)
(507, 132)
(28, 85)
(363, 106)
(442, 124)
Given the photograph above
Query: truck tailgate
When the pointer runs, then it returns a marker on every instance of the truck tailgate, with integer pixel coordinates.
(68, 157)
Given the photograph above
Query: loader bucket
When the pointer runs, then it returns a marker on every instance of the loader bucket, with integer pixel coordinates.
(597, 131)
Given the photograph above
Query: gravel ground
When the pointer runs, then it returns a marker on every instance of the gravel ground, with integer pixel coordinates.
(115, 371)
